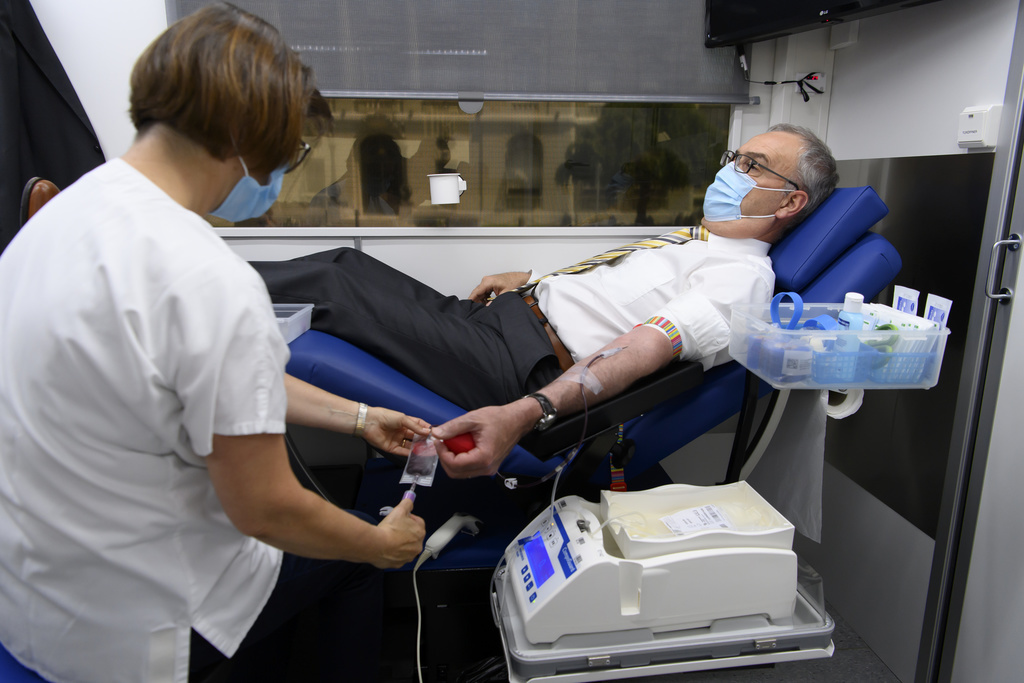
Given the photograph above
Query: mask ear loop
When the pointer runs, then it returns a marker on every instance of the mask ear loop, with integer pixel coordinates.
(234, 146)
(244, 167)
(767, 189)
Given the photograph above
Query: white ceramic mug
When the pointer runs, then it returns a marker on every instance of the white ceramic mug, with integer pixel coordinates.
(446, 188)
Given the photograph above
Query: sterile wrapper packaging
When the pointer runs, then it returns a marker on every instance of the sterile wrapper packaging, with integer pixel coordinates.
(804, 358)
(293, 319)
(679, 517)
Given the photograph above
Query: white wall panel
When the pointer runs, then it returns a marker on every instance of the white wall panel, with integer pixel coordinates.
(899, 90)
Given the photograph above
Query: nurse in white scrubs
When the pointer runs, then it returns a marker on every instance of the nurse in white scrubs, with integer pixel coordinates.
(150, 523)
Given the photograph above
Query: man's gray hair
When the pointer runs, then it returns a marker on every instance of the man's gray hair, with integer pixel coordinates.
(816, 167)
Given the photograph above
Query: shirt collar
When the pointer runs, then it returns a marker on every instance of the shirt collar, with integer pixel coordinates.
(748, 245)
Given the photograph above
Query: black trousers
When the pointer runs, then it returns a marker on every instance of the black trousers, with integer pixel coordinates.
(471, 354)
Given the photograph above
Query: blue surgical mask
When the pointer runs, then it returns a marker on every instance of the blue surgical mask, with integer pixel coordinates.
(249, 199)
(723, 198)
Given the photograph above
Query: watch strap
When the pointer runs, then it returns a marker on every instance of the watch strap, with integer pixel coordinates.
(549, 412)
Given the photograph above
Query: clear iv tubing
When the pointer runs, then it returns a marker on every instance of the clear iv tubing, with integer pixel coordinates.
(557, 472)
(608, 521)
(583, 432)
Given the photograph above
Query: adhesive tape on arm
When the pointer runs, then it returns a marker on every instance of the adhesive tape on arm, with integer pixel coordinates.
(852, 400)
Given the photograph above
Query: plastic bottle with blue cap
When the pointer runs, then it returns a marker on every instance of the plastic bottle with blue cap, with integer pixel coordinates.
(851, 319)
(847, 365)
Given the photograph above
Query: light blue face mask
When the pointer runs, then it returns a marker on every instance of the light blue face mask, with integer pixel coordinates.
(723, 198)
(249, 199)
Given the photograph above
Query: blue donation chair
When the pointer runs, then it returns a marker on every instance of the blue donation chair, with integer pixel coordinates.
(828, 254)
(11, 671)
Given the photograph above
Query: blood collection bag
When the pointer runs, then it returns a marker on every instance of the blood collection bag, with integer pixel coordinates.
(421, 464)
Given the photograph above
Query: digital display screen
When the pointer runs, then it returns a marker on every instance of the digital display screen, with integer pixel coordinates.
(537, 556)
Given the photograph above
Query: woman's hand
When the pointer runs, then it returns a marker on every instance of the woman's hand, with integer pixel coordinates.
(392, 431)
(401, 534)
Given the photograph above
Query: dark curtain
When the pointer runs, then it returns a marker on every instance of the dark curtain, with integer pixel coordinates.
(44, 130)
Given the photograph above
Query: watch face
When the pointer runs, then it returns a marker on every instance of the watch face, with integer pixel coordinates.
(549, 412)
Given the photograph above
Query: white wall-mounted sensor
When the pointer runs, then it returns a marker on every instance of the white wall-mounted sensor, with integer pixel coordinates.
(978, 127)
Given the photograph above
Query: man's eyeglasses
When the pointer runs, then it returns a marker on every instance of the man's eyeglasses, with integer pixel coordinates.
(303, 151)
(744, 164)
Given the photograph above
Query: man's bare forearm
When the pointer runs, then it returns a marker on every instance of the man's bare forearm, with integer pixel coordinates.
(611, 370)
(496, 429)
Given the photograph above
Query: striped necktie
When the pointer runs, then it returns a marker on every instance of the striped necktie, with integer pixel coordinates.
(674, 237)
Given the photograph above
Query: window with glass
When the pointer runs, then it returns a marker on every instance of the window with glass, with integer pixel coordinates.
(537, 164)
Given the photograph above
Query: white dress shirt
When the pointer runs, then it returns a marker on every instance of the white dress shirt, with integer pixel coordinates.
(129, 335)
(694, 285)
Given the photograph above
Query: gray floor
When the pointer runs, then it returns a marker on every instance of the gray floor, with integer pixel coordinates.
(852, 662)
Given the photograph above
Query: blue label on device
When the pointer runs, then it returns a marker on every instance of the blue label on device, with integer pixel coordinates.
(564, 553)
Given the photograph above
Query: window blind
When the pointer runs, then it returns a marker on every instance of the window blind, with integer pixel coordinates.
(531, 50)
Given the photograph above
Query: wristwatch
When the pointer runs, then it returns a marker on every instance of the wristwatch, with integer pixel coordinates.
(549, 412)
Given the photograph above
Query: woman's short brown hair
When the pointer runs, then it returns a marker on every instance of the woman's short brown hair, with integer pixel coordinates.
(225, 79)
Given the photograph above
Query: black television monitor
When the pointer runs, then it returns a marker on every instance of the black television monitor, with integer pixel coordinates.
(733, 22)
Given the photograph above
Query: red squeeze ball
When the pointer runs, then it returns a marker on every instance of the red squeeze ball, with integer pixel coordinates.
(460, 443)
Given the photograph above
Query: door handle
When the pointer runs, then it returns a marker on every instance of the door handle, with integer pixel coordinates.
(1012, 243)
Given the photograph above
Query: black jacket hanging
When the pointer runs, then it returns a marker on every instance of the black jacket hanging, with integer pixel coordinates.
(44, 130)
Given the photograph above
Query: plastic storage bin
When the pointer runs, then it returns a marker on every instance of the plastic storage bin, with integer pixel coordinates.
(293, 319)
(804, 358)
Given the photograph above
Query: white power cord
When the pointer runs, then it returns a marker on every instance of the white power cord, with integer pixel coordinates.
(766, 436)
(432, 548)
(419, 615)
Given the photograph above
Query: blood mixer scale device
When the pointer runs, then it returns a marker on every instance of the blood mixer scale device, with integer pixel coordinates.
(677, 578)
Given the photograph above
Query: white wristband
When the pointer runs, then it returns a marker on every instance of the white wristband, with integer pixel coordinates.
(360, 420)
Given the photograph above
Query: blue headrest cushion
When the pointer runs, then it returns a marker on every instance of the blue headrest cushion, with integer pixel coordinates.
(830, 230)
(867, 267)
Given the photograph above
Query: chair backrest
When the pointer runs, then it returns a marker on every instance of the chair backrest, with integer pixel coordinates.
(800, 257)
(37, 192)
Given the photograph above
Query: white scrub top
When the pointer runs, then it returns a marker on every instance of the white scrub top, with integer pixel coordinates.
(129, 335)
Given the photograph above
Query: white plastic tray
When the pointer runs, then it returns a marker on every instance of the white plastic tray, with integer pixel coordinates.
(806, 358)
(293, 319)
